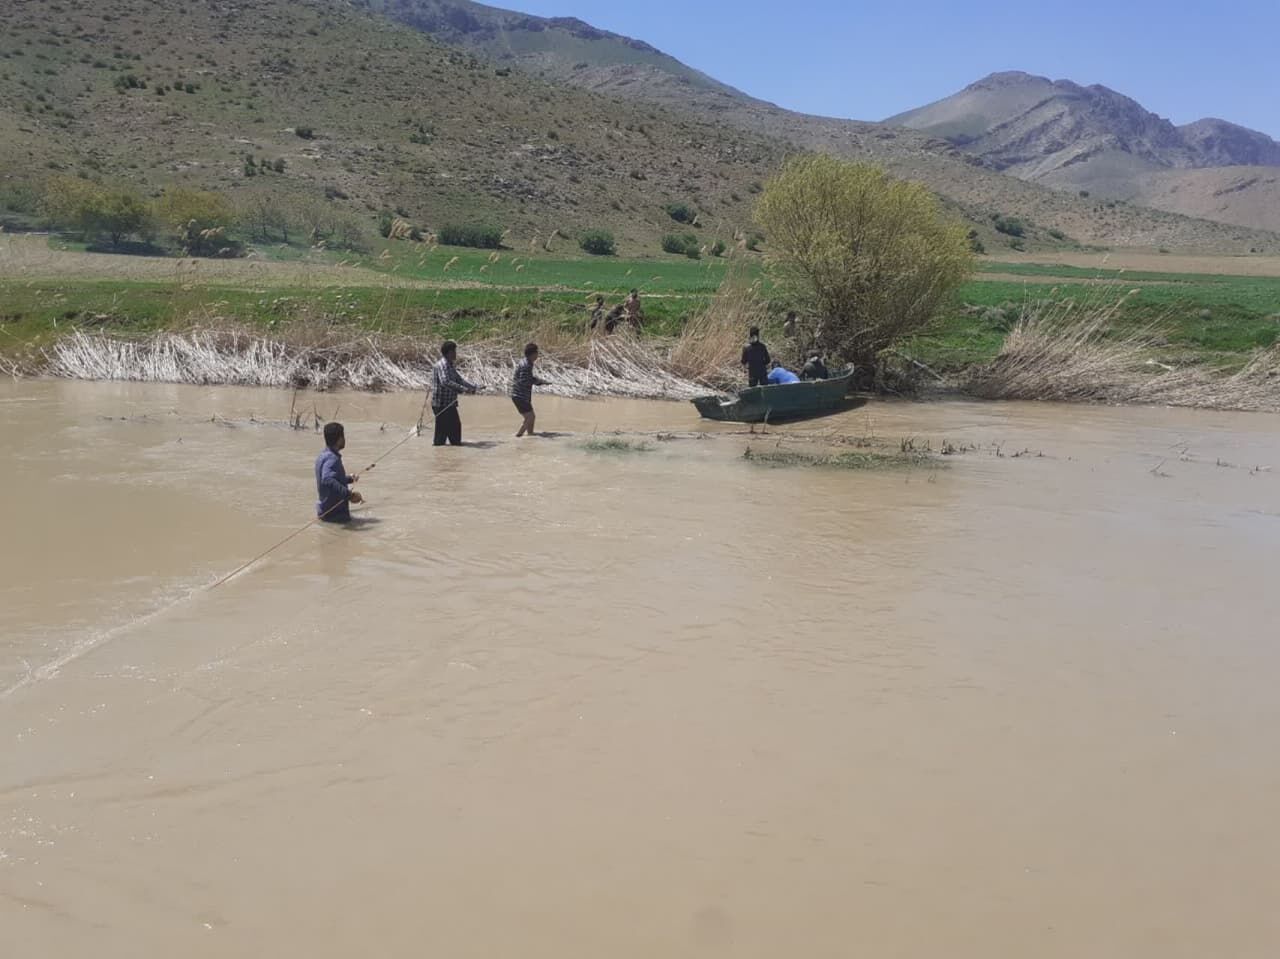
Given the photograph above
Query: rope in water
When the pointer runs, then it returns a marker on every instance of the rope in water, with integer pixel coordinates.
(416, 431)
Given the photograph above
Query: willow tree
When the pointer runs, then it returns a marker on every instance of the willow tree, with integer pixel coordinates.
(874, 257)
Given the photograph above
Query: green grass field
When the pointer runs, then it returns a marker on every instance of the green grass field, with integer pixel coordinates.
(469, 294)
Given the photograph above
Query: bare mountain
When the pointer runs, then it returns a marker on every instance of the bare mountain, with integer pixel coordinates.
(1039, 129)
(575, 53)
(555, 47)
(1095, 140)
(1220, 143)
(352, 105)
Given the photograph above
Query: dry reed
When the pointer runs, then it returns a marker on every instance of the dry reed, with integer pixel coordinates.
(709, 347)
(1071, 351)
(618, 366)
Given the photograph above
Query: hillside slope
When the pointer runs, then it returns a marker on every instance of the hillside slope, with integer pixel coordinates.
(396, 121)
(369, 115)
(577, 54)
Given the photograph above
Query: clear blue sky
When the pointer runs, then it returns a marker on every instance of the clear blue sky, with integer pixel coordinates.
(1183, 59)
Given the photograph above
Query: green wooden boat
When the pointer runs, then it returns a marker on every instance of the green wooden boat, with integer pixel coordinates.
(784, 401)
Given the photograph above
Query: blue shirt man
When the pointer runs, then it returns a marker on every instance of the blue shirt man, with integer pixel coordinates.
(781, 374)
(333, 485)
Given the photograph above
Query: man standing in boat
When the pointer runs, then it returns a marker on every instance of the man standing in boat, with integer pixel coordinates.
(755, 360)
(446, 384)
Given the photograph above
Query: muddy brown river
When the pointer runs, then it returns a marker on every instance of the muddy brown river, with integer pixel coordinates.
(544, 701)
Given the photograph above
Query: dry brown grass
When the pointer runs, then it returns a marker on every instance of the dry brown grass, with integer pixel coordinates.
(330, 359)
(1071, 351)
(710, 345)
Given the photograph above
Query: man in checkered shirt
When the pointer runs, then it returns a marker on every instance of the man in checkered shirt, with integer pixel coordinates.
(446, 383)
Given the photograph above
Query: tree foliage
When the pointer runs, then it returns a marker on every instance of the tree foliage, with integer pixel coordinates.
(875, 257)
(198, 219)
(72, 203)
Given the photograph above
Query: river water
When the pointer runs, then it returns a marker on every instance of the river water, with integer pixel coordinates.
(551, 702)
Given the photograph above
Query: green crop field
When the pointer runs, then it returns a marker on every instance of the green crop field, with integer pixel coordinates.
(442, 291)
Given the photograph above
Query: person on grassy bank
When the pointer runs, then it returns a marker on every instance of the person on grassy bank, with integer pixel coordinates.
(333, 485)
(522, 384)
(446, 384)
(755, 359)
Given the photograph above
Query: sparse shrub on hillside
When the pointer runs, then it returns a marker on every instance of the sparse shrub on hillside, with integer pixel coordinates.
(479, 236)
(975, 243)
(305, 133)
(681, 212)
(19, 198)
(683, 244)
(279, 166)
(1008, 225)
(718, 248)
(1017, 244)
(876, 257)
(754, 241)
(598, 243)
(1057, 234)
(128, 81)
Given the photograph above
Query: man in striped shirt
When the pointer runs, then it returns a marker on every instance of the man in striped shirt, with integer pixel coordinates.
(446, 383)
(522, 385)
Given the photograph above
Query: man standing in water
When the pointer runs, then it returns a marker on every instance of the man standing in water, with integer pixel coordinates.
(522, 385)
(755, 360)
(446, 383)
(333, 485)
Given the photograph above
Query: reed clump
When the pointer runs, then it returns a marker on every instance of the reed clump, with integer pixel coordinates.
(325, 359)
(1077, 351)
(709, 347)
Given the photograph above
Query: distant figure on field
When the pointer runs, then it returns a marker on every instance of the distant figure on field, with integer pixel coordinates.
(755, 359)
(613, 318)
(333, 485)
(815, 369)
(522, 385)
(633, 311)
(780, 375)
(597, 312)
(446, 383)
(789, 325)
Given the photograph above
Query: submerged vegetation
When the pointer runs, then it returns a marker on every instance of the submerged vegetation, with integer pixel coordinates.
(615, 444)
(846, 459)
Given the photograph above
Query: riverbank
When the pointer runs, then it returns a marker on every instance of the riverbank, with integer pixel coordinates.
(310, 319)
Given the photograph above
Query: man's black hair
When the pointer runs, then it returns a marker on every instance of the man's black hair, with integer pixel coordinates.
(635, 292)
(755, 331)
(332, 433)
(530, 349)
(599, 298)
(447, 347)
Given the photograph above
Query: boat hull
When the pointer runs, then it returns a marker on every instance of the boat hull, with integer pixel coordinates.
(784, 401)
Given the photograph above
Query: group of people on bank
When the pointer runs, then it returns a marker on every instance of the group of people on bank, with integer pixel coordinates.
(334, 484)
(628, 311)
